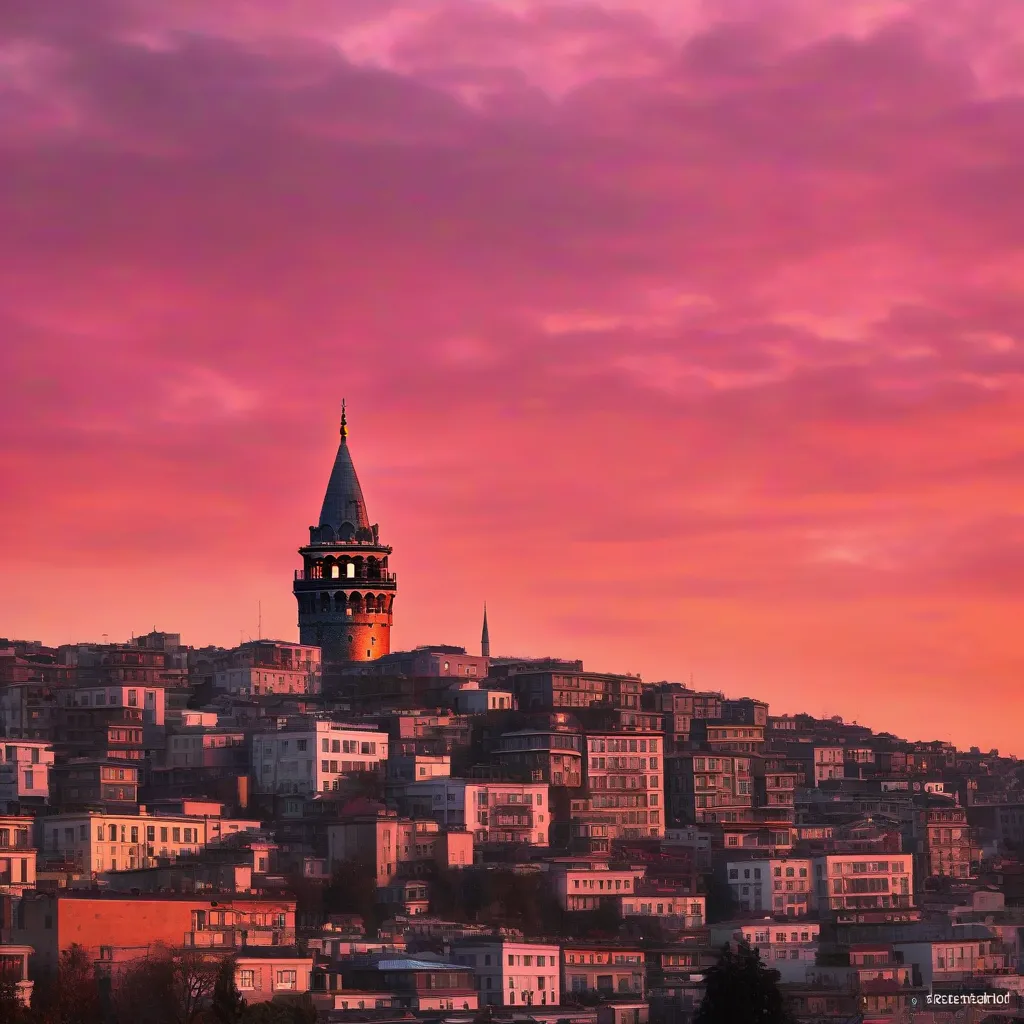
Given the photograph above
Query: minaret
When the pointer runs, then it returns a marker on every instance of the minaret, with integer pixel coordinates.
(344, 590)
(485, 638)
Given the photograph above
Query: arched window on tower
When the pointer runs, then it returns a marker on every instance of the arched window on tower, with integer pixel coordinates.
(350, 570)
(355, 604)
(335, 572)
(325, 602)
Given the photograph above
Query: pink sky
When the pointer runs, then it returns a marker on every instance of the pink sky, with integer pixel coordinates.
(688, 335)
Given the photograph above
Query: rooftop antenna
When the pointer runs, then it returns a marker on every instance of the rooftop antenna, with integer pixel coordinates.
(259, 627)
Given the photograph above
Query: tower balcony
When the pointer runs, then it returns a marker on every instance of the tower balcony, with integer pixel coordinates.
(357, 582)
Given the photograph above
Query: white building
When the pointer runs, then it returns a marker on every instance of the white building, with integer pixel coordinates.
(495, 812)
(472, 699)
(512, 973)
(25, 770)
(783, 886)
(789, 947)
(863, 881)
(314, 756)
(99, 842)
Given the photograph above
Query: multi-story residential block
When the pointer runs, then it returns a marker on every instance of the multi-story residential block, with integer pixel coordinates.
(611, 971)
(200, 746)
(679, 706)
(403, 768)
(25, 773)
(436, 660)
(149, 699)
(512, 973)
(393, 844)
(786, 946)
(565, 689)
(775, 784)
(100, 733)
(817, 763)
(670, 906)
(945, 843)
(624, 778)
(723, 736)
(97, 842)
(588, 886)
(17, 855)
(473, 699)
(314, 755)
(264, 667)
(971, 955)
(556, 756)
(863, 882)
(780, 886)
(84, 783)
(705, 787)
(744, 711)
(495, 812)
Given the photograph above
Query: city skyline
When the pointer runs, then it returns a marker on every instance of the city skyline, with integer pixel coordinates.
(691, 344)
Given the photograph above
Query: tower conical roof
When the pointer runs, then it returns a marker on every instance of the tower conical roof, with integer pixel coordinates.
(343, 502)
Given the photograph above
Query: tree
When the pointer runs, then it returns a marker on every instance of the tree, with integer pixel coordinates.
(195, 975)
(228, 1006)
(299, 1011)
(12, 1011)
(739, 989)
(73, 996)
(165, 987)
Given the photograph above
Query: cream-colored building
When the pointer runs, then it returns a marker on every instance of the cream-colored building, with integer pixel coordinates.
(863, 881)
(98, 842)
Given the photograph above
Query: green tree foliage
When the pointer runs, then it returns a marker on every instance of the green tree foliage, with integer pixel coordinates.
(741, 990)
(227, 1006)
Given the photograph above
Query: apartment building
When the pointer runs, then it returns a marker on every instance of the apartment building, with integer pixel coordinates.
(706, 787)
(98, 842)
(495, 812)
(554, 756)
(786, 946)
(670, 906)
(512, 973)
(566, 689)
(17, 855)
(392, 843)
(25, 772)
(624, 778)
(606, 970)
(589, 886)
(817, 763)
(313, 756)
(863, 882)
(722, 736)
(945, 840)
(265, 667)
(780, 886)
(973, 953)
(149, 700)
(204, 747)
(679, 706)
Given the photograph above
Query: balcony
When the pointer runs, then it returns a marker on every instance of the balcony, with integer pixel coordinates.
(362, 582)
(239, 937)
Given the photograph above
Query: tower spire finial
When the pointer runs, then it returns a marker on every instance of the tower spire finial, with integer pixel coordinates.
(485, 637)
(344, 422)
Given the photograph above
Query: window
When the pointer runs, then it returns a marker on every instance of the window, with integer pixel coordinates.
(286, 979)
(247, 979)
(133, 698)
(176, 835)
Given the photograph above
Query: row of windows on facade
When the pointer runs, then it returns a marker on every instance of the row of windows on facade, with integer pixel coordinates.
(623, 746)
(350, 604)
(790, 872)
(327, 746)
(102, 698)
(127, 834)
(624, 764)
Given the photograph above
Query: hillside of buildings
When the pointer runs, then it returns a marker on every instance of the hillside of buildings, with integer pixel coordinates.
(437, 835)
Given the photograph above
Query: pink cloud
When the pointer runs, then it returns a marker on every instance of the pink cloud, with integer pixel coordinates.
(688, 336)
